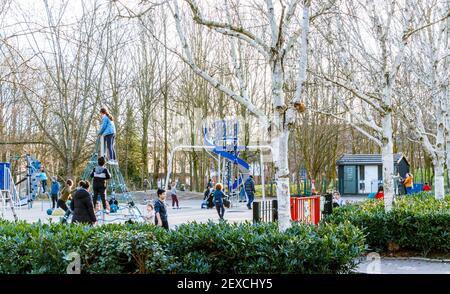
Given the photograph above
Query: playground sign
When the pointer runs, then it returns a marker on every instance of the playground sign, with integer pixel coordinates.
(303, 173)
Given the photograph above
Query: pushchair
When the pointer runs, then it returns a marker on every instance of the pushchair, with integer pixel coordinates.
(208, 199)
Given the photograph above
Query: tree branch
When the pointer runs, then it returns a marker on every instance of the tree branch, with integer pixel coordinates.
(353, 125)
(214, 82)
(229, 30)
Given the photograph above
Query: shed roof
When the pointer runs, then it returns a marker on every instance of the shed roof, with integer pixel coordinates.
(366, 159)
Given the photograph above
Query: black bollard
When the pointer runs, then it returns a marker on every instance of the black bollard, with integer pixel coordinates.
(256, 215)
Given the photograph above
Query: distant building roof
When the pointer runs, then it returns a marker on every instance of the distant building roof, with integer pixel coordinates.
(366, 159)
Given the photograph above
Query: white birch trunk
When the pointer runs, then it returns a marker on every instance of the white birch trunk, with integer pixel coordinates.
(446, 97)
(439, 189)
(277, 85)
(280, 148)
(387, 157)
(283, 116)
(447, 149)
(439, 183)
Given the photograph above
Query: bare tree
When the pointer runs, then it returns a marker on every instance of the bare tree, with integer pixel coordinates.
(71, 75)
(425, 103)
(369, 55)
(285, 34)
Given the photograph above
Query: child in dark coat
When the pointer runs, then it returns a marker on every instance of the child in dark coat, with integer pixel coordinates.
(100, 175)
(81, 205)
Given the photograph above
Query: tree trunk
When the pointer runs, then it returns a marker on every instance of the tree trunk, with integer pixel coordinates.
(439, 188)
(69, 168)
(155, 165)
(280, 149)
(144, 149)
(448, 155)
(387, 158)
(439, 182)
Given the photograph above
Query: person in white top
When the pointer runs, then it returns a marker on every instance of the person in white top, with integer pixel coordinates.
(337, 199)
(173, 192)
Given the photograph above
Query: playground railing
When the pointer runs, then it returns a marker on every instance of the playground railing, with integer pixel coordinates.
(265, 211)
(306, 209)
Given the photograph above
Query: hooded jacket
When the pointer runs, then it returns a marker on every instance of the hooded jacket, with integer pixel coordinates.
(100, 175)
(82, 207)
(249, 186)
(55, 188)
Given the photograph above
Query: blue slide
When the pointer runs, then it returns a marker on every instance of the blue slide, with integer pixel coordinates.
(244, 167)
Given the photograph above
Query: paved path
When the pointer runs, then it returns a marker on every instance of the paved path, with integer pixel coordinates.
(190, 211)
(388, 265)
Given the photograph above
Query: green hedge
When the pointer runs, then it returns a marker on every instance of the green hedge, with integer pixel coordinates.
(192, 248)
(418, 223)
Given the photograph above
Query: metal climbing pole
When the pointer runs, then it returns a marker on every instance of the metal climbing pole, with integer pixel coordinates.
(116, 189)
(8, 194)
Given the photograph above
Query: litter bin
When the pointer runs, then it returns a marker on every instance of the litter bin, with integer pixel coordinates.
(327, 201)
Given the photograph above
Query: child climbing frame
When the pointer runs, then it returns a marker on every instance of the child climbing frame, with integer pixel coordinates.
(221, 141)
(117, 190)
(8, 194)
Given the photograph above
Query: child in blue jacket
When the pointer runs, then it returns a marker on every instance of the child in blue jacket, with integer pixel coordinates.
(55, 191)
(108, 130)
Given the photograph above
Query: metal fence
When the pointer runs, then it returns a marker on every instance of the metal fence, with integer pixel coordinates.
(306, 209)
(265, 211)
(303, 209)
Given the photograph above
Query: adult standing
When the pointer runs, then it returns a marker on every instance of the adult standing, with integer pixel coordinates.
(82, 206)
(160, 210)
(250, 190)
(54, 192)
(108, 130)
(408, 182)
(209, 185)
(173, 193)
(218, 200)
(146, 185)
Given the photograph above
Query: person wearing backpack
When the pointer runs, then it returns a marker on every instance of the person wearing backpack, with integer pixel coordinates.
(100, 175)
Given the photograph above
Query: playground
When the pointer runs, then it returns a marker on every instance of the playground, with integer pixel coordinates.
(25, 198)
(224, 137)
(190, 211)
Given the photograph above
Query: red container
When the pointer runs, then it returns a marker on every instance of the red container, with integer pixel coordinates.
(306, 209)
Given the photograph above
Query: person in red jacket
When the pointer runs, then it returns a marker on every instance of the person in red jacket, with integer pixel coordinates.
(426, 187)
(380, 193)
